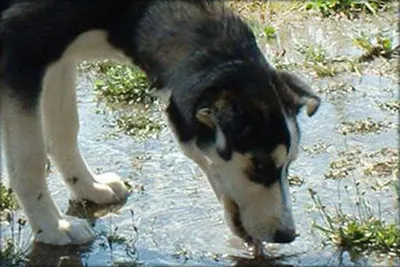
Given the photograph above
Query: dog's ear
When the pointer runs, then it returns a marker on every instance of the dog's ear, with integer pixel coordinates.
(206, 117)
(209, 118)
(300, 93)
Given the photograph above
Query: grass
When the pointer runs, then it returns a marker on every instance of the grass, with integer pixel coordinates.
(317, 59)
(336, 88)
(359, 233)
(182, 253)
(295, 180)
(313, 53)
(122, 84)
(396, 185)
(278, 60)
(365, 126)
(318, 148)
(356, 161)
(114, 239)
(13, 250)
(378, 45)
(269, 32)
(11, 254)
(262, 32)
(386, 166)
(348, 8)
(7, 201)
(260, 9)
(392, 106)
(138, 124)
(343, 166)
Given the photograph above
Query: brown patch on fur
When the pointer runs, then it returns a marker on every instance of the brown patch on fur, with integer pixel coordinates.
(205, 117)
(279, 155)
(248, 162)
(247, 102)
(233, 209)
(249, 169)
(223, 101)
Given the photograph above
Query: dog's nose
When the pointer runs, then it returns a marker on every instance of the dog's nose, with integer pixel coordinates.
(284, 236)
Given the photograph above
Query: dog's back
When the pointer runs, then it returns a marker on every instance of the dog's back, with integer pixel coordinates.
(4, 4)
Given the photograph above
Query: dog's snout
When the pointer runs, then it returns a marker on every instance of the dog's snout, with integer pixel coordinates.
(284, 236)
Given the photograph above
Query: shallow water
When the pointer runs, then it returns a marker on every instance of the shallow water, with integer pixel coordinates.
(177, 216)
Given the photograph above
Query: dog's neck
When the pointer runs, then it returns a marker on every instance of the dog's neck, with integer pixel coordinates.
(184, 39)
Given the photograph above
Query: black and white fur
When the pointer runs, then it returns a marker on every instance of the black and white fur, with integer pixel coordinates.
(230, 111)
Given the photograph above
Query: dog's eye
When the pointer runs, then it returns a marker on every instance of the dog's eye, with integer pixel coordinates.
(264, 171)
(258, 165)
(261, 164)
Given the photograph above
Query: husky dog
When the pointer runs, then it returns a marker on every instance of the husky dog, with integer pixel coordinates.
(231, 112)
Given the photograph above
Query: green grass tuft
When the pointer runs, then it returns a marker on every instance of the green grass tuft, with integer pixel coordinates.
(317, 59)
(348, 8)
(11, 254)
(269, 32)
(378, 45)
(138, 124)
(361, 233)
(123, 84)
(7, 199)
(13, 250)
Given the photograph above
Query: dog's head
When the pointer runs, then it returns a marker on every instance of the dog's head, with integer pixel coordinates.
(247, 140)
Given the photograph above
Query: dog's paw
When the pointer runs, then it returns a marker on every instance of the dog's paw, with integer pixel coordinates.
(108, 189)
(69, 231)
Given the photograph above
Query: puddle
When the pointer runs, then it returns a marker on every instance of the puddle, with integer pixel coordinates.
(173, 217)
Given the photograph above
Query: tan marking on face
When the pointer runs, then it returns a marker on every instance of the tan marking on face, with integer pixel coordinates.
(250, 209)
(223, 100)
(312, 105)
(279, 155)
(204, 116)
(232, 217)
(247, 161)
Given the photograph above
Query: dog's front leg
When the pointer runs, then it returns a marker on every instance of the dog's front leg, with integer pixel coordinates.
(61, 125)
(24, 149)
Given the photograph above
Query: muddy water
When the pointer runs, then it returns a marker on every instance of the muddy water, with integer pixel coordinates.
(172, 216)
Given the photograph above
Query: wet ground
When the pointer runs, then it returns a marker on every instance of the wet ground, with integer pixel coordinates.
(173, 217)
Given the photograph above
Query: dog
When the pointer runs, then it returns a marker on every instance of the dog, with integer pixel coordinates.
(230, 110)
